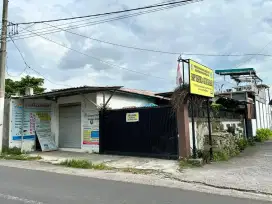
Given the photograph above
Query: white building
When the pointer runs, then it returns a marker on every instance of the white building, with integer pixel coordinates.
(71, 116)
(250, 89)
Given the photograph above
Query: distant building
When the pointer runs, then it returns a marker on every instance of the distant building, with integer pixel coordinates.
(250, 89)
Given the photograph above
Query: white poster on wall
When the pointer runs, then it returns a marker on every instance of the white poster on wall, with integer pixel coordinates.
(16, 130)
(43, 131)
(91, 130)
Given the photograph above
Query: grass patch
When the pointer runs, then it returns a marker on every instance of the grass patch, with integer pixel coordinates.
(84, 164)
(190, 163)
(137, 171)
(221, 156)
(12, 151)
(16, 154)
(22, 157)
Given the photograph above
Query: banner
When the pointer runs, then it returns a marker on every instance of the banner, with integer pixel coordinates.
(201, 79)
(17, 120)
(91, 128)
(36, 112)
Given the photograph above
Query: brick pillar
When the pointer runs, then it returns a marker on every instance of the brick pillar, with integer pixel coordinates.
(183, 131)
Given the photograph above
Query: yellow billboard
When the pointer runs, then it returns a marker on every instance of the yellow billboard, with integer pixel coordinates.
(201, 79)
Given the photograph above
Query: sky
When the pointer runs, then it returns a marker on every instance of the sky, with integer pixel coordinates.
(207, 27)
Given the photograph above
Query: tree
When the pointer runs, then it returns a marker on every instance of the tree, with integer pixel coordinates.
(13, 87)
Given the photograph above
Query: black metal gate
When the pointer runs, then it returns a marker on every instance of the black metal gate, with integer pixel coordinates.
(153, 135)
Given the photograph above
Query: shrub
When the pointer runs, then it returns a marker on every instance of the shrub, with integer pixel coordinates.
(242, 144)
(220, 156)
(263, 134)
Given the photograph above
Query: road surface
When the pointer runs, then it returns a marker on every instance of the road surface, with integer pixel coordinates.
(21, 186)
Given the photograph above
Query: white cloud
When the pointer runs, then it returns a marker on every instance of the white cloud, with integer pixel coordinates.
(211, 27)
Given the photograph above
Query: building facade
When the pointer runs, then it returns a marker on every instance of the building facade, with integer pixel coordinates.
(70, 116)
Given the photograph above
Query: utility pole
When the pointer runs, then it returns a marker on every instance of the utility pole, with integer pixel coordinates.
(3, 53)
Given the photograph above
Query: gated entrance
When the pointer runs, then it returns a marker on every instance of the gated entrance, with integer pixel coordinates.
(139, 131)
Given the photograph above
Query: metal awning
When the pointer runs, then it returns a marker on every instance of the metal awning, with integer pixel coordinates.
(240, 75)
(240, 71)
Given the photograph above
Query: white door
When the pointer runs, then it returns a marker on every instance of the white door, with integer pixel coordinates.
(70, 126)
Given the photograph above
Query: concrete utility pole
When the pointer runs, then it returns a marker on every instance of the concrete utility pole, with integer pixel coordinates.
(3, 53)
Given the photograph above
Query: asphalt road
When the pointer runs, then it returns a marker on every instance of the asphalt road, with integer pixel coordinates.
(19, 186)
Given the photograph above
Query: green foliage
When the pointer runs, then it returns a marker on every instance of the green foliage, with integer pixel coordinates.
(215, 106)
(16, 153)
(84, 164)
(221, 155)
(242, 144)
(13, 87)
(23, 157)
(263, 134)
(251, 142)
(81, 164)
(12, 151)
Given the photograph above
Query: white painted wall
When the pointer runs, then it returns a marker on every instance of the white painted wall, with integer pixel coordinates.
(88, 104)
(258, 117)
(121, 100)
(254, 126)
(263, 115)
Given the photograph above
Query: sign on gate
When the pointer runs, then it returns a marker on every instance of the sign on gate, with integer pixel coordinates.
(132, 117)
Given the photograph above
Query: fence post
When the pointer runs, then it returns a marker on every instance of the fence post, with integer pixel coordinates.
(209, 128)
(193, 127)
(101, 130)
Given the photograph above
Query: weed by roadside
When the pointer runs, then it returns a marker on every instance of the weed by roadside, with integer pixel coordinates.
(22, 157)
(16, 154)
(190, 163)
(12, 151)
(84, 164)
(137, 171)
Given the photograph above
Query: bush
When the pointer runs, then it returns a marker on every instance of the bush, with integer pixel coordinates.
(220, 156)
(242, 144)
(263, 134)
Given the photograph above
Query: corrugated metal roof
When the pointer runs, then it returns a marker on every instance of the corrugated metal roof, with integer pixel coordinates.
(92, 89)
(74, 91)
(140, 92)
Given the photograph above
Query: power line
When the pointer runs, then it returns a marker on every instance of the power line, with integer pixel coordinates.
(149, 50)
(27, 66)
(45, 31)
(110, 13)
(98, 59)
(109, 64)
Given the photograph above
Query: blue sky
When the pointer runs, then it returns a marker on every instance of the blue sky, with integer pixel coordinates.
(211, 27)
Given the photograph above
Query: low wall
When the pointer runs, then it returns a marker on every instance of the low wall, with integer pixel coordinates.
(201, 129)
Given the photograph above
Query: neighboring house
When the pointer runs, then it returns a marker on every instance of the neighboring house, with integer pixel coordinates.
(250, 89)
(71, 115)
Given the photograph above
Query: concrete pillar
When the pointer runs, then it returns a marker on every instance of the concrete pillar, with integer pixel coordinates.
(183, 131)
